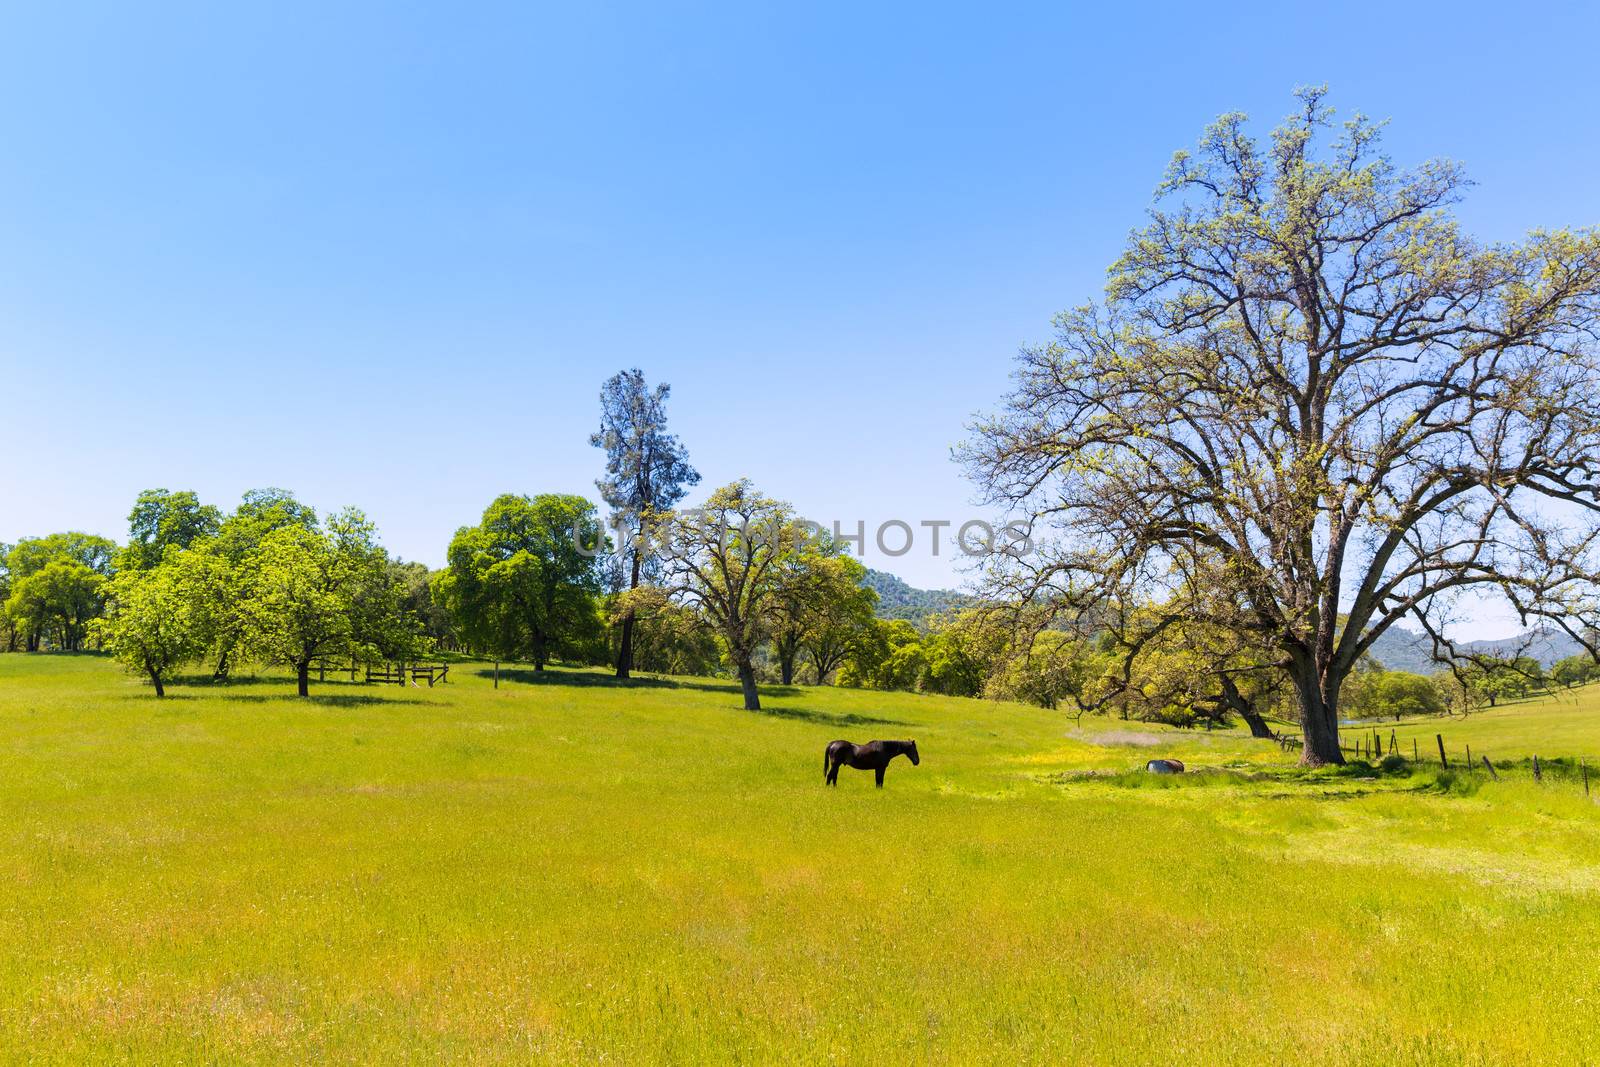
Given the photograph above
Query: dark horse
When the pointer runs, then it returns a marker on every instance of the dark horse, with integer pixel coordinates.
(872, 756)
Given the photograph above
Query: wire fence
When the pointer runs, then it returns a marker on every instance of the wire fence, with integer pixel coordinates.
(1371, 745)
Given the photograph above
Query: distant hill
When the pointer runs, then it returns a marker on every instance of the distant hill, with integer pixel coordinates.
(1398, 649)
(1405, 650)
(897, 600)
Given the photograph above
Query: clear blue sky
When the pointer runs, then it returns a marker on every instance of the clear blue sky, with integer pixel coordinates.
(384, 256)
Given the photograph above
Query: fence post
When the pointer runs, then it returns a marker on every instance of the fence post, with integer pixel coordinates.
(1585, 765)
(1469, 757)
(497, 674)
(1538, 777)
(1415, 758)
(1394, 744)
(1492, 772)
(1443, 762)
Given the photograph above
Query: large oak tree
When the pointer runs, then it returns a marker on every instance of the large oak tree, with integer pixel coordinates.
(1309, 408)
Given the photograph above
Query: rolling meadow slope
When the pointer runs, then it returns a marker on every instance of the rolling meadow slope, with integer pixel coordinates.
(563, 869)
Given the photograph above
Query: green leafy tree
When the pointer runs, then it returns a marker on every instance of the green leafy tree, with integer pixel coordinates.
(1053, 668)
(1575, 671)
(669, 638)
(8, 625)
(724, 559)
(158, 617)
(839, 615)
(1310, 397)
(57, 587)
(526, 580)
(161, 518)
(416, 584)
(315, 592)
(1491, 679)
(1401, 693)
(819, 604)
(963, 650)
(647, 473)
(260, 513)
(887, 655)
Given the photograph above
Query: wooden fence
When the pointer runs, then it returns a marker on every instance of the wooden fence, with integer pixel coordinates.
(386, 673)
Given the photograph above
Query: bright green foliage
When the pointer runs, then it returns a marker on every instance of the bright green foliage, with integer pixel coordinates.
(1403, 693)
(820, 606)
(669, 638)
(1575, 671)
(838, 615)
(417, 599)
(31, 554)
(964, 650)
(1489, 680)
(1055, 669)
(312, 593)
(161, 518)
(159, 617)
(887, 655)
(260, 512)
(8, 625)
(1376, 693)
(56, 588)
(526, 581)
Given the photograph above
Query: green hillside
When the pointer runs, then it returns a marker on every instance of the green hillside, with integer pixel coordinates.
(562, 869)
(898, 600)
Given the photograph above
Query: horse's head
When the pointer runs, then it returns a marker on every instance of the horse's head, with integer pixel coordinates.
(911, 752)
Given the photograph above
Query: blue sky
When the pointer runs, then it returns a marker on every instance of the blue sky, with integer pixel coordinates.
(385, 254)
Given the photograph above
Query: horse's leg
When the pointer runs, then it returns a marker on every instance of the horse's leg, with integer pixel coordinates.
(833, 773)
(880, 769)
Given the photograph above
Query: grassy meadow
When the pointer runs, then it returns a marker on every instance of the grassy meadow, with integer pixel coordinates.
(564, 870)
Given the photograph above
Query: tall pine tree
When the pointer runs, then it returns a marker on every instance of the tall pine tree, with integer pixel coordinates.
(647, 470)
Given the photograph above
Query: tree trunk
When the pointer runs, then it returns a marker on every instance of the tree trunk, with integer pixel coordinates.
(747, 681)
(223, 666)
(1235, 700)
(1319, 724)
(155, 680)
(1253, 719)
(786, 668)
(625, 654)
(303, 677)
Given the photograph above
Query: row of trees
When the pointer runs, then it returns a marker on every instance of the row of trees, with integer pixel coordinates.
(729, 585)
(271, 582)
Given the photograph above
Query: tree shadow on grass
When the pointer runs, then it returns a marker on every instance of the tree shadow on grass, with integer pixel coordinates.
(595, 680)
(828, 718)
(325, 700)
(339, 700)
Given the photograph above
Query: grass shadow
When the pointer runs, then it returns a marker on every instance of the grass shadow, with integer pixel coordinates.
(337, 700)
(828, 718)
(596, 680)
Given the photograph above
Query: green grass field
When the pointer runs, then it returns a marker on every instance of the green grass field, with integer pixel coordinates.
(1564, 725)
(564, 870)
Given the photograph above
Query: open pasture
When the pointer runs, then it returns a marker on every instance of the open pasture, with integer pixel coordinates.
(568, 869)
